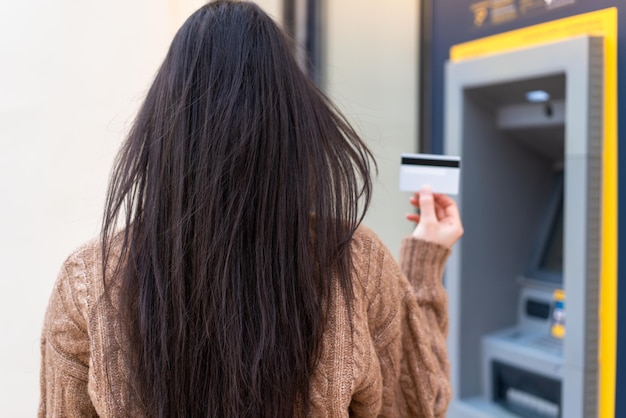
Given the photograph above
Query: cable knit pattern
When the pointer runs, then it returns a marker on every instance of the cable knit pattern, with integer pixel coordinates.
(388, 360)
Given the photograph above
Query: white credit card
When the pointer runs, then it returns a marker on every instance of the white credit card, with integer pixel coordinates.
(440, 172)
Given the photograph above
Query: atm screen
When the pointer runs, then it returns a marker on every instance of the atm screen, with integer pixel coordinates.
(547, 261)
(552, 258)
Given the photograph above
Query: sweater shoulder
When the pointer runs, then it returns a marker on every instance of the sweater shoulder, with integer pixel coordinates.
(366, 243)
(78, 269)
(374, 266)
(82, 271)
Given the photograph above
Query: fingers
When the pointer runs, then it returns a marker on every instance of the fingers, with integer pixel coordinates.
(440, 203)
(437, 219)
(427, 204)
(440, 199)
(440, 211)
(444, 200)
(443, 206)
(413, 217)
(449, 207)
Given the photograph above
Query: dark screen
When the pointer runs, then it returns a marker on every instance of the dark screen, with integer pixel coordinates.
(552, 258)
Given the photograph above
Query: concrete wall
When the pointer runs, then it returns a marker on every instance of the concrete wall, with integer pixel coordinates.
(72, 76)
(372, 74)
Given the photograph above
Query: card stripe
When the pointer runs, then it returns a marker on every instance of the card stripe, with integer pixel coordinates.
(430, 162)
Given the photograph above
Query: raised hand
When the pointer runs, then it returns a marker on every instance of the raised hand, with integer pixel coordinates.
(438, 220)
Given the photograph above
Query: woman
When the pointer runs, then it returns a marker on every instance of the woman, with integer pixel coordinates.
(241, 283)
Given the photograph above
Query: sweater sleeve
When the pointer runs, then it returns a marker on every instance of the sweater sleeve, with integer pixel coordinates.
(65, 346)
(423, 264)
(411, 328)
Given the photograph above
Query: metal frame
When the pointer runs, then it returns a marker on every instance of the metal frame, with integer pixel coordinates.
(580, 59)
(303, 21)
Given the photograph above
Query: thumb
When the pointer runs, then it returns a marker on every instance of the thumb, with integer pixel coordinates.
(427, 204)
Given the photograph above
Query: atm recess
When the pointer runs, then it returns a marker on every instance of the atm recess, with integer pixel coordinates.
(540, 126)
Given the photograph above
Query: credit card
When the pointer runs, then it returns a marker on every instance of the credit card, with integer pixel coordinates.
(440, 172)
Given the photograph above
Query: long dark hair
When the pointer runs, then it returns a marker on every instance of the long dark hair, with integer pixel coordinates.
(240, 187)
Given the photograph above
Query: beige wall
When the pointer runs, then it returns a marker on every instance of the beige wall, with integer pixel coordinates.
(72, 76)
(372, 75)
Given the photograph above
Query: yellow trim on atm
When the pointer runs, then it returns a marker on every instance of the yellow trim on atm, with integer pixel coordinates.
(599, 23)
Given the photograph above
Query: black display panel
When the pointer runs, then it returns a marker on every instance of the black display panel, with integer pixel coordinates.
(547, 263)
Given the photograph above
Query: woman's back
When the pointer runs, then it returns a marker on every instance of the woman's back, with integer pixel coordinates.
(223, 286)
(240, 189)
(386, 356)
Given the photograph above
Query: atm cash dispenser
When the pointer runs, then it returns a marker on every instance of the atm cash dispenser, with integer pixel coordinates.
(523, 281)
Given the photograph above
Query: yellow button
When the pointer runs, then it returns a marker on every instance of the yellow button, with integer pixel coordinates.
(558, 331)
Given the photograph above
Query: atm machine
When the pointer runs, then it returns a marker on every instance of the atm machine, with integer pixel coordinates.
(523, 282)
(522, 365)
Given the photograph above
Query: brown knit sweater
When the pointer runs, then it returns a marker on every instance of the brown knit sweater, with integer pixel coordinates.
(392, 362)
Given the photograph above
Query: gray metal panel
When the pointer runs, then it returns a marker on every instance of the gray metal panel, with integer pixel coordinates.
(594, 216)
(574, 383)
(531, 115)
(583, 182)
(575, 260)
(580, 60)
(478, 408)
